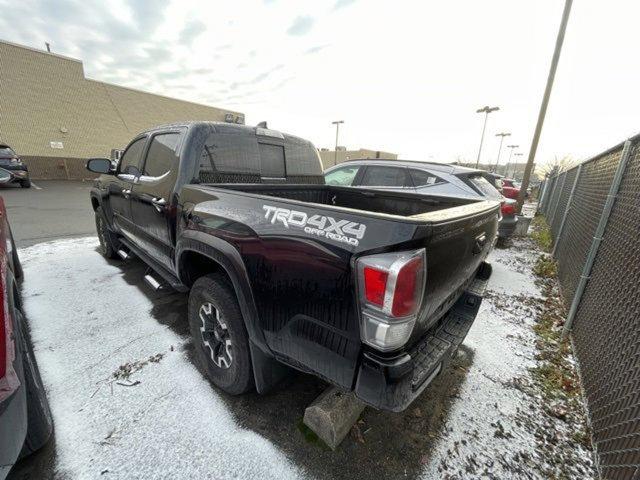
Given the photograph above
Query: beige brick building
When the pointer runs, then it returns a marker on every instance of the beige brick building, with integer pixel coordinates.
(55, 117)
(329, 156)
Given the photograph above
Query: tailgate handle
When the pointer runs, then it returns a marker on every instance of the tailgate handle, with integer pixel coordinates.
(481, 241)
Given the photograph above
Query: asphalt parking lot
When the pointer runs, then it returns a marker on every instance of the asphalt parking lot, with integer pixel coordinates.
(91, 319)
(50, 209)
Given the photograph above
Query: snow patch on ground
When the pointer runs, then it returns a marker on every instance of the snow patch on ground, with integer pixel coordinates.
(493, 425)
(86, 322)
(479, 437)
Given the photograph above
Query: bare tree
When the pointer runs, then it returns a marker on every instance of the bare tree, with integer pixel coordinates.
(559, 164)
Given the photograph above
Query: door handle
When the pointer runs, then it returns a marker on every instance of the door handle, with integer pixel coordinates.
(159, 203)
(126, 193)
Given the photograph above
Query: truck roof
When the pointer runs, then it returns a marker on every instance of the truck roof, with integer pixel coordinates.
(440, 167)
(225, 127)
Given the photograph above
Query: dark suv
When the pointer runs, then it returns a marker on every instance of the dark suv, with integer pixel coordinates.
(12, 170)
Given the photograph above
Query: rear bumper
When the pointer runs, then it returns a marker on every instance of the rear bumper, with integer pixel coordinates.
(507, 226)
(393, 383)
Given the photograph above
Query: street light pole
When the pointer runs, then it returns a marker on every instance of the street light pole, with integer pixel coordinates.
(515, 163)
(501, 135)
(545, 102)
(486, 110)
(337, 124)
(512, 147)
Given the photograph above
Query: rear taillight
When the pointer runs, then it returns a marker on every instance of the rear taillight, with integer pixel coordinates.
(391, 287)
(407, 291)
(375, 284)
(507, 209)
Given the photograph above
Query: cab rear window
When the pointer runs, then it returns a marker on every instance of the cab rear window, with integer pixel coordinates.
(271, 160)
(246, 158)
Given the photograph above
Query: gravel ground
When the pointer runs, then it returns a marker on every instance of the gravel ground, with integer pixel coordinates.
(128, 402)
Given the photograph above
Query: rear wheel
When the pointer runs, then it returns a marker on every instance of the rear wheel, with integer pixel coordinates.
(108, 240)
(39, 419)
(219, 334)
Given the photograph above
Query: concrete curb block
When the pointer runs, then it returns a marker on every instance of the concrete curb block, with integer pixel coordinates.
(522, 227)
(332, 415)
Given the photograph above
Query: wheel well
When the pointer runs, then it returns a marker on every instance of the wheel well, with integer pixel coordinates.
(95, 203)
(194, 265)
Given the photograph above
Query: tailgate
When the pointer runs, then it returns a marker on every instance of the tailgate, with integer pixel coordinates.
(455, 248)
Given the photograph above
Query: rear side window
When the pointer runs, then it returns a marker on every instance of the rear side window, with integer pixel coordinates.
(301, 157)
(485, 188)
(384, 177)
(161, 156)
(342, 176)
(130, 161)
(272, 160)
(422, 178)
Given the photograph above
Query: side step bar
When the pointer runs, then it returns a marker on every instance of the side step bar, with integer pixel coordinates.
(152, 282)
(123, 255)
(157, 268)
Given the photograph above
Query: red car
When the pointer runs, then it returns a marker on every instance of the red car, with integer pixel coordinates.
(510, 188)
(25, 418)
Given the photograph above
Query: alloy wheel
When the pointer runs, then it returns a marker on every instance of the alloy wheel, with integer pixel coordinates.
(215, 336)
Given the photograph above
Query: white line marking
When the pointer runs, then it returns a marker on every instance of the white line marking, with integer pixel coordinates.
(36, 186)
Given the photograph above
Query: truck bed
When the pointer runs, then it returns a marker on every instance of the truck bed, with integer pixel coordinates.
(365, 200)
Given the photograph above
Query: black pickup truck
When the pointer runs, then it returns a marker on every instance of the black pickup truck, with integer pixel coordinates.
(372, 291)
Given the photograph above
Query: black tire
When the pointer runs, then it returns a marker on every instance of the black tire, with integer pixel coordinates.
(25, 183)
(214, 290)
(108, 240)
(39, 419)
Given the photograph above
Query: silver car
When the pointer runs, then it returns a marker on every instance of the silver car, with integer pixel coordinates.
(424, 178)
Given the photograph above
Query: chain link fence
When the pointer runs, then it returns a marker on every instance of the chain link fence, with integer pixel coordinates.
(593, 211)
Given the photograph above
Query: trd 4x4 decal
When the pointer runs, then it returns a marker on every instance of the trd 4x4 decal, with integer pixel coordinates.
(340, 230)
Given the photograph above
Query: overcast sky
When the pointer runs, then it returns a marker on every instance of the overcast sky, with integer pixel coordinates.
(406, 77)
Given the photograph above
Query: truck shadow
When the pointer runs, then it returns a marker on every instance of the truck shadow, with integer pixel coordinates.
(381, 445)
(40, 465)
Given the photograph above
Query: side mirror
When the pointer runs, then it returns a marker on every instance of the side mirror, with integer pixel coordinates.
(100, 165)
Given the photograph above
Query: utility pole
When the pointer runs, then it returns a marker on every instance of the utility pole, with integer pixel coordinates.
(545, 102)
(515, 164)
(486, 110)
(337, 124)
(501, 135)
(512, 147)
